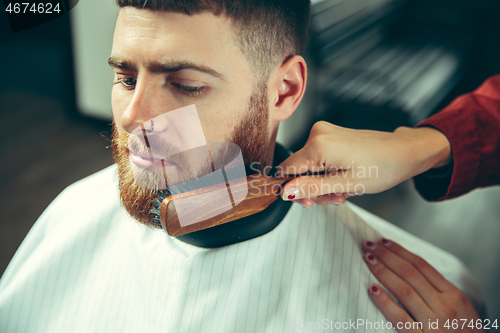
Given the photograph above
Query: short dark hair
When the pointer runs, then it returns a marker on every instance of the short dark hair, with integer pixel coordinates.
(268, 31)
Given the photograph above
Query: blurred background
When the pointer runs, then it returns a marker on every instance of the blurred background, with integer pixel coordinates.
(373, 64)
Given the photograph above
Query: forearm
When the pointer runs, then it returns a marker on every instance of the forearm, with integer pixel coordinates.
(424, 148)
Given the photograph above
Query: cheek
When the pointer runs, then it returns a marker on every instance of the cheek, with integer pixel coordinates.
(214, 127)
(118, 106)
(220, 119)
(115, 103)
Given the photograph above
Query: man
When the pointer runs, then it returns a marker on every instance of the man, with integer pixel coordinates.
(87, 266)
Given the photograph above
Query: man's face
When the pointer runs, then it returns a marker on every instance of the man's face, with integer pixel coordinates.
(165, 61)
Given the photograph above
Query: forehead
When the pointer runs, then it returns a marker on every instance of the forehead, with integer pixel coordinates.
(147, 36)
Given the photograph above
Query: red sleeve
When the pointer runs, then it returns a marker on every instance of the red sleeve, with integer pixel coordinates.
(472, 125)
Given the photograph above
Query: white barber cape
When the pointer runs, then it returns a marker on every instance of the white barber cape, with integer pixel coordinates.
(86, 266)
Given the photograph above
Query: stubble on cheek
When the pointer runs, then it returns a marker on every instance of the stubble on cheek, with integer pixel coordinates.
(252, 134)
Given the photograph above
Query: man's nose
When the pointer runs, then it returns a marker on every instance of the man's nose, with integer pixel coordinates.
(148, 102)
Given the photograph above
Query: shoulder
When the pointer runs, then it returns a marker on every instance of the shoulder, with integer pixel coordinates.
(82, 216)
(101, 183)
(89, 199)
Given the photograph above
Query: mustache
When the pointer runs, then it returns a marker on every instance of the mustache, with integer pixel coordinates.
(156, 146)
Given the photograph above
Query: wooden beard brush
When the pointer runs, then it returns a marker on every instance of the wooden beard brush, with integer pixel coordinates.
(209, 206)
(222, 195)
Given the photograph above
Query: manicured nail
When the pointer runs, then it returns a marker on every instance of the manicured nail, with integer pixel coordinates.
(370, 245)
(291, 194)
(374, 290)
(371, 258)
(385, 242)
(337, 203)
(302, 205)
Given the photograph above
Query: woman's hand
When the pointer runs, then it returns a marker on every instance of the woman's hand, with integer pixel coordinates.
(423, 291)
(366, 161)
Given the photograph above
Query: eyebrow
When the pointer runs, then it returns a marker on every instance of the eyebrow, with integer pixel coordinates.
(160, 68)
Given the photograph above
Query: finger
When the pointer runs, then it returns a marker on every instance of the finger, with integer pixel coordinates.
(403, 291)
(429, 272)
(314, 186)
(301, 162)
(307, 203)
(327, 199)
(405, 270)
(396, 315)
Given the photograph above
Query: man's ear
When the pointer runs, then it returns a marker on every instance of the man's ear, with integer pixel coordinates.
(287, 88)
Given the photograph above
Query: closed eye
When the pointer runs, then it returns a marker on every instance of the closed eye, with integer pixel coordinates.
(190, 90)
(130, 82)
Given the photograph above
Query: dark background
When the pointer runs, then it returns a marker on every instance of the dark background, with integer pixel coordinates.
(46, 145)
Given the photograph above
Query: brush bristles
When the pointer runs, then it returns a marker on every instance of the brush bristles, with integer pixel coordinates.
(163, 194)
(191, 185)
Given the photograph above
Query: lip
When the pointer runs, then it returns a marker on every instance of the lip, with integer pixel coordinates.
(145, 161)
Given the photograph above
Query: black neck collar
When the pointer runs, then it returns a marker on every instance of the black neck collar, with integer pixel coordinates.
(248, 227)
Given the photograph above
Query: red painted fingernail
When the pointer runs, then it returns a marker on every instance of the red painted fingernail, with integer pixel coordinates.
(370, 258)
(386, 242)
(374, 290)
(370, 245)
(291, 193)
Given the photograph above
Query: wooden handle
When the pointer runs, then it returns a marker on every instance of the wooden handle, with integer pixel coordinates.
(217, 204)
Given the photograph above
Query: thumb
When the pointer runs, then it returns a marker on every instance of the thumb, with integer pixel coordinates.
(308, 187)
